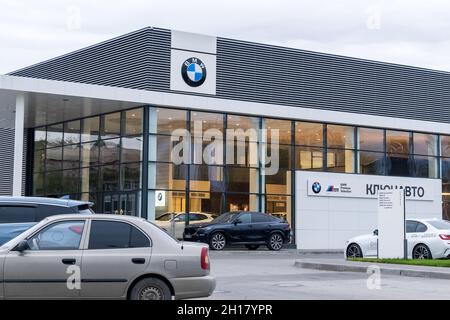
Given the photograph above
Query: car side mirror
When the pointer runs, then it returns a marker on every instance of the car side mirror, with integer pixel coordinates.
(22, 246)
(237, 221)
(375, 232)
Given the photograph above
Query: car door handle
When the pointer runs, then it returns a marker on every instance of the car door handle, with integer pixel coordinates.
(138, 260)
(69, 261)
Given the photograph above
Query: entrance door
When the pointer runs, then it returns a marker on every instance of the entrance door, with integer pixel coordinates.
(123, 203)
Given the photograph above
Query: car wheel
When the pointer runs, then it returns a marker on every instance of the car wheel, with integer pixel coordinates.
(151, 289)
(421, 251)
(275, 242)
(252, 246)
(217, 241)
(354, 251)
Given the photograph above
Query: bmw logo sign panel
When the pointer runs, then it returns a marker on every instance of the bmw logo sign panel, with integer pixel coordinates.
(193, 71)
(316, 187)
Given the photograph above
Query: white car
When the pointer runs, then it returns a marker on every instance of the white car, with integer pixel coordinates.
(175, 222)
(427, 239)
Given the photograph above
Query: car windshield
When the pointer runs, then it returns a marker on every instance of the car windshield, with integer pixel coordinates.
(440, 224)
(226, 217)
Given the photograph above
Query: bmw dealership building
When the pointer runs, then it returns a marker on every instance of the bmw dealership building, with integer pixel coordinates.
(105, 124)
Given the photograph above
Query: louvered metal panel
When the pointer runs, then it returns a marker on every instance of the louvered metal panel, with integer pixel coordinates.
(139, 60)
(6, 161)
(270, 74)
(263, 73)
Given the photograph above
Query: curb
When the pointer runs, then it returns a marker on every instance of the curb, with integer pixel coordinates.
(387, 270)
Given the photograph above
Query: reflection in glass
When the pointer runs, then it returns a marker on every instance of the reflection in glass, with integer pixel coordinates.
(90, 179)
(89, 154)
(110, 178)
(109, 151)
(397, 141)
(71, 157)
(39, 160)
(131, 149)
(445, 146)
(309, 134)
(307, 158)
(446, 171)
(38, 183)
(340, 136)
(72, 132)
(371, 139)
(54, 135)
(53, 182)
(53, 159)
(399, 165)
(91, 129)
(339, 160)
(133, 122)
(425, 144)
(425, 167)
(371, 162)
(71, 181)
(131, 176)
(40, 138)
(111, 125)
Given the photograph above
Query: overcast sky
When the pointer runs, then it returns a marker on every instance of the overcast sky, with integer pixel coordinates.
(413, 32)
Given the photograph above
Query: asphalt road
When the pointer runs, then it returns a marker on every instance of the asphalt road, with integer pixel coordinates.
(269, 275)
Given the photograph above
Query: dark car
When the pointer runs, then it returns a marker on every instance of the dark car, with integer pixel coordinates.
(251, 229)
(18, 214)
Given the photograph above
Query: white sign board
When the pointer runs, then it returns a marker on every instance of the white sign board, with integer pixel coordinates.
(391, 224)
(160, 198)
(353, 186)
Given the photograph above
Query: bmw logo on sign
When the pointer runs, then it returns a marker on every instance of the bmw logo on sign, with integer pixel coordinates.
(316, 187)
(193, 71)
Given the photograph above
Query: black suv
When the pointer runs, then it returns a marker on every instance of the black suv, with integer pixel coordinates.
(251, 229)
(18, 214)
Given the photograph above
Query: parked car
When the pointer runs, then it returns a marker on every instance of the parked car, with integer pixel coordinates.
(109, 256)
(174, 222)
(251, 229)
(18, 214)
(426, 239)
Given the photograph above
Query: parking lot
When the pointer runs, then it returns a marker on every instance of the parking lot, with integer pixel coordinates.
(242, 274)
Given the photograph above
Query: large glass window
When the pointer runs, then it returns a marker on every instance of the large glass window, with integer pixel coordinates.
(55, 135)
(111, 125)
(398, 141)
(309, 158)
(133, 122)
(91, 129)
(425, 144)
(309, 134)
(371, 139)
(72, 132)
(371, 162)
(340, 137)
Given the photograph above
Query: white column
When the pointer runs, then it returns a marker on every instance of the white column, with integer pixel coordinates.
(18, 144)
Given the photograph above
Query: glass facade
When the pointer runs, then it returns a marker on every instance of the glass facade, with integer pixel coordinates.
(102, 159)
(97, 158)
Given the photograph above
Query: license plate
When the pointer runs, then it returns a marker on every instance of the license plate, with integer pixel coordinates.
(187, 236)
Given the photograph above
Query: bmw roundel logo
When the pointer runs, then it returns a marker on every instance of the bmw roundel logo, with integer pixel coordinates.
(193, 71)
(160, 196)
(316, 187)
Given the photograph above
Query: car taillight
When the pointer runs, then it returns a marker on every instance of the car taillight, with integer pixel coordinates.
(444, 236)
(204, 259)
(76, 229)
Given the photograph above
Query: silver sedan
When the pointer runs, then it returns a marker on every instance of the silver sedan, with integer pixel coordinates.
(102, 257)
